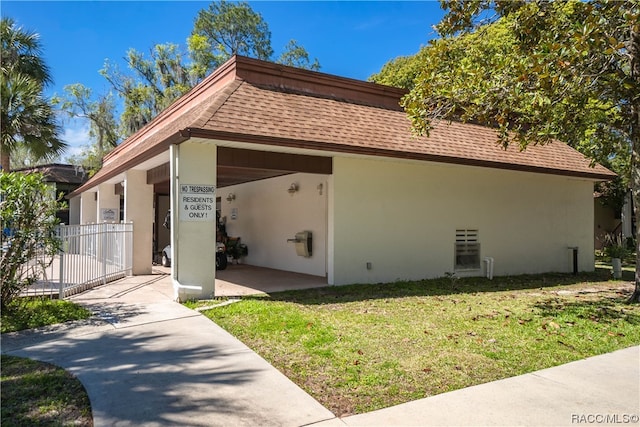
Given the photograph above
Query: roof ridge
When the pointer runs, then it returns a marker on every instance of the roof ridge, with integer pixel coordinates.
(258, 72)
(330, 96)
(220, 99)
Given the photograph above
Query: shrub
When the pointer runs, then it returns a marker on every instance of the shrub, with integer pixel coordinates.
(615, 246)
(28, 239)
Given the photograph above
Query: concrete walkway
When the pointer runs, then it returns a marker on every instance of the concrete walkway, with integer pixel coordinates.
(147, 361)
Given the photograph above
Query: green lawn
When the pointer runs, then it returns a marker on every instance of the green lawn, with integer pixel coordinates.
(33, 313)
(363, 347)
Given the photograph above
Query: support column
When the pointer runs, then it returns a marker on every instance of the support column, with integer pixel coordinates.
(108, 209)
(88, 215)
(74, 210)
(138, 208)
(193, 220)
(88, 208)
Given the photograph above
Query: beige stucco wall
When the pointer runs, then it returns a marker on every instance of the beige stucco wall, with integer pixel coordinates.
(398, 217)
(74, 210)
(109, 200)
(88, 207)
(402, 217)
(267, 215)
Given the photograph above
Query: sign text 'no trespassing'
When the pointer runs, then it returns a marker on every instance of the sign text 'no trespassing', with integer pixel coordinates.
(197, 202)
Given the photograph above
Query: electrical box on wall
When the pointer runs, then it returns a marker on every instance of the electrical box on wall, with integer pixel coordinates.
(304, 243)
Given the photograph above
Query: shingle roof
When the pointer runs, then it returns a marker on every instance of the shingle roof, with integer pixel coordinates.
(59, 173)
(322, 123)
(254, 101)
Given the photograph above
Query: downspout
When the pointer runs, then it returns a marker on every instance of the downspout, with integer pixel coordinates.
(488, 261)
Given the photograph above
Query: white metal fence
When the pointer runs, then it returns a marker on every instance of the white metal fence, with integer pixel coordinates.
(92, 254)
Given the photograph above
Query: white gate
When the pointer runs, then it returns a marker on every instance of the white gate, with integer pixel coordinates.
(91, 255)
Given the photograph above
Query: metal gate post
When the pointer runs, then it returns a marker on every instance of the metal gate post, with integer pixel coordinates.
(61, 276)
(103, 258)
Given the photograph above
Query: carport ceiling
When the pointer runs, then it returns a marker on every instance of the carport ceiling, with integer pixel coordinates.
(230, 175)
(237, 166)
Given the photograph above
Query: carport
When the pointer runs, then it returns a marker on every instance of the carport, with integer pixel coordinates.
(233, 144)
(234, 168)
(238, 169)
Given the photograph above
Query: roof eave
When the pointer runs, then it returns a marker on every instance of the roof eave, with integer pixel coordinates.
(99, 178)
(377, 152)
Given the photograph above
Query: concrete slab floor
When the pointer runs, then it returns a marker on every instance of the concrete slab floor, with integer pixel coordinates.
(244, 279)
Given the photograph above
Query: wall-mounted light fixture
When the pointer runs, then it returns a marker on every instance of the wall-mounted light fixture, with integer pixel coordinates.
(231, 197)
(293, 188)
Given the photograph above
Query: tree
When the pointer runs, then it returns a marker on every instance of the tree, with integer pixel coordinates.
(571, 72)
(225, 29)
(21, 158)
(103, 129)
(478, 55)
(297, 56)
(220, 31)
(401, 71)
(156, 84)
(27, 118)
(29, 242)
(87, 158)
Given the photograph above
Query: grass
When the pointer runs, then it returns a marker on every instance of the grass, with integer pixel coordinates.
(364, 347)
(33, 313)
(36, 393)
(40, 394)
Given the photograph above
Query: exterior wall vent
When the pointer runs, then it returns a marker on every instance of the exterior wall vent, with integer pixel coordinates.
(467, 250)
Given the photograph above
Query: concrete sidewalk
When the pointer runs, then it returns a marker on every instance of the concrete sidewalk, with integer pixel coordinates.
(147, 361)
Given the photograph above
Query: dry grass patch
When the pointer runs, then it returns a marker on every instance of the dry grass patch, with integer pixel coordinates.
(364, 347)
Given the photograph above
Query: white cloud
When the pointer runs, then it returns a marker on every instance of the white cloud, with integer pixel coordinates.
(76, 135)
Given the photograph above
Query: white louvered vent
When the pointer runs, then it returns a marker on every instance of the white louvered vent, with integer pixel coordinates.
(467, 249)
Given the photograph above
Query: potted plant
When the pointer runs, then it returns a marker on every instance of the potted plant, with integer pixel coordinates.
(236, 250)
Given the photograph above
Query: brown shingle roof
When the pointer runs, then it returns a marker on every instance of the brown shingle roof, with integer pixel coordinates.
(343, 126)
(58, 173)
(259, 102)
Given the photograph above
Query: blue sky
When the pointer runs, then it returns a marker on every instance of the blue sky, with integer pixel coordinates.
(351, 39)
